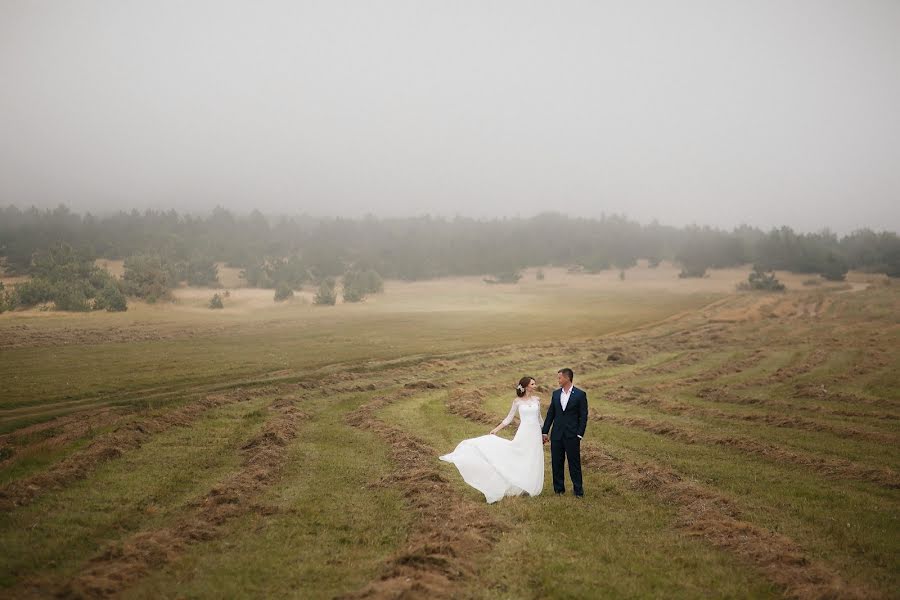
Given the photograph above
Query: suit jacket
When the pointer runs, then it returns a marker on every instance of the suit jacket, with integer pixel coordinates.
(567, 423)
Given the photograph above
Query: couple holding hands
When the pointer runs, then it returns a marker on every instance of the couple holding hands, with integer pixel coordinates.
(498, 467)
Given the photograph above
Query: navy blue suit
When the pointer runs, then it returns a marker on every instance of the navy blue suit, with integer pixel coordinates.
(565, 439)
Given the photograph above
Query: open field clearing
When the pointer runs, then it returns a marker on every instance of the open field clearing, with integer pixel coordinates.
(739, 445)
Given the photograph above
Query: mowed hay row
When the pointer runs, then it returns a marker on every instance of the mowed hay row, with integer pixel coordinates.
(817, 400)
(448, 531)
(147, 487)
(111, 446)
(125, 562)
(650, 366)
(728, 367)
(674, 407)
(679, 371)
(763, 410)
(710, 515)
(832, 468)
(632, 388)
(57, 433)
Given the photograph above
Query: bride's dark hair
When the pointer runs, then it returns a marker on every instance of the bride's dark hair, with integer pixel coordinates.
(523, 386)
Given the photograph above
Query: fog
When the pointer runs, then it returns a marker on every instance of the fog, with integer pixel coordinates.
(714, 112)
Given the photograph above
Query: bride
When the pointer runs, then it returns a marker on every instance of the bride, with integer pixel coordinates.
(498, 467)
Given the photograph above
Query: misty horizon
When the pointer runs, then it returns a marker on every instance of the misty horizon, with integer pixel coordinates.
(706, 113)
(274, 217)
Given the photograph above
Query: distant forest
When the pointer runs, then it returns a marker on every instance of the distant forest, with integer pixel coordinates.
(164, 247)
(426, 247)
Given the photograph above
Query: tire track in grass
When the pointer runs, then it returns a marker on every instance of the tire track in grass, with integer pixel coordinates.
(110, 447)
(706, 514)
(123, 563)
(449, 531)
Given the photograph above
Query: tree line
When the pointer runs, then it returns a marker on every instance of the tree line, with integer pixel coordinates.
(162, 248)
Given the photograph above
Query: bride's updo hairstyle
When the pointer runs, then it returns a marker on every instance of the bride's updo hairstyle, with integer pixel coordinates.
(523, 386)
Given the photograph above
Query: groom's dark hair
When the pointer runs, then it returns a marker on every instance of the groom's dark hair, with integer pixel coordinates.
(568, 373)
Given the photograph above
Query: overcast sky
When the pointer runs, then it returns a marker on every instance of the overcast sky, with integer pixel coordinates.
(716, 112)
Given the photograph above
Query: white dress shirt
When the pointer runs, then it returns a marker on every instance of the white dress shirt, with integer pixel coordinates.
(564, 397)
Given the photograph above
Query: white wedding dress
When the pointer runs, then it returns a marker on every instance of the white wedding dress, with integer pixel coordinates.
(498, 467)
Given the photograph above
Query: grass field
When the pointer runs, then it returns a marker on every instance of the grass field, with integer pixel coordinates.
(739, 445)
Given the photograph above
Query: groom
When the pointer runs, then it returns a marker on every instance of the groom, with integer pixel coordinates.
(567, 414)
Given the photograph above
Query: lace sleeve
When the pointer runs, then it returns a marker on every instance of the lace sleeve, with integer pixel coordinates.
(512, 413)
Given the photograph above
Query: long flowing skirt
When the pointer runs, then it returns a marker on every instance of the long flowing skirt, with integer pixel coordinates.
(498, 467)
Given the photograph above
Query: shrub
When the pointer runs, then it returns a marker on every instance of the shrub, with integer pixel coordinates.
(359, 284)
(216, 302)
(68, 278)
(834, 268)
(71, 296)
(372, 282)
(202, 271)
(111, 298)
(34, 291)
(283, 291)
(61, 262)
(760, 280)
(8, 298)
(326, 295)
(148, 276)
(353, 294)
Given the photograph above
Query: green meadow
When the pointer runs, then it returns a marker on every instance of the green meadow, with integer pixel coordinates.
(740, 445)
